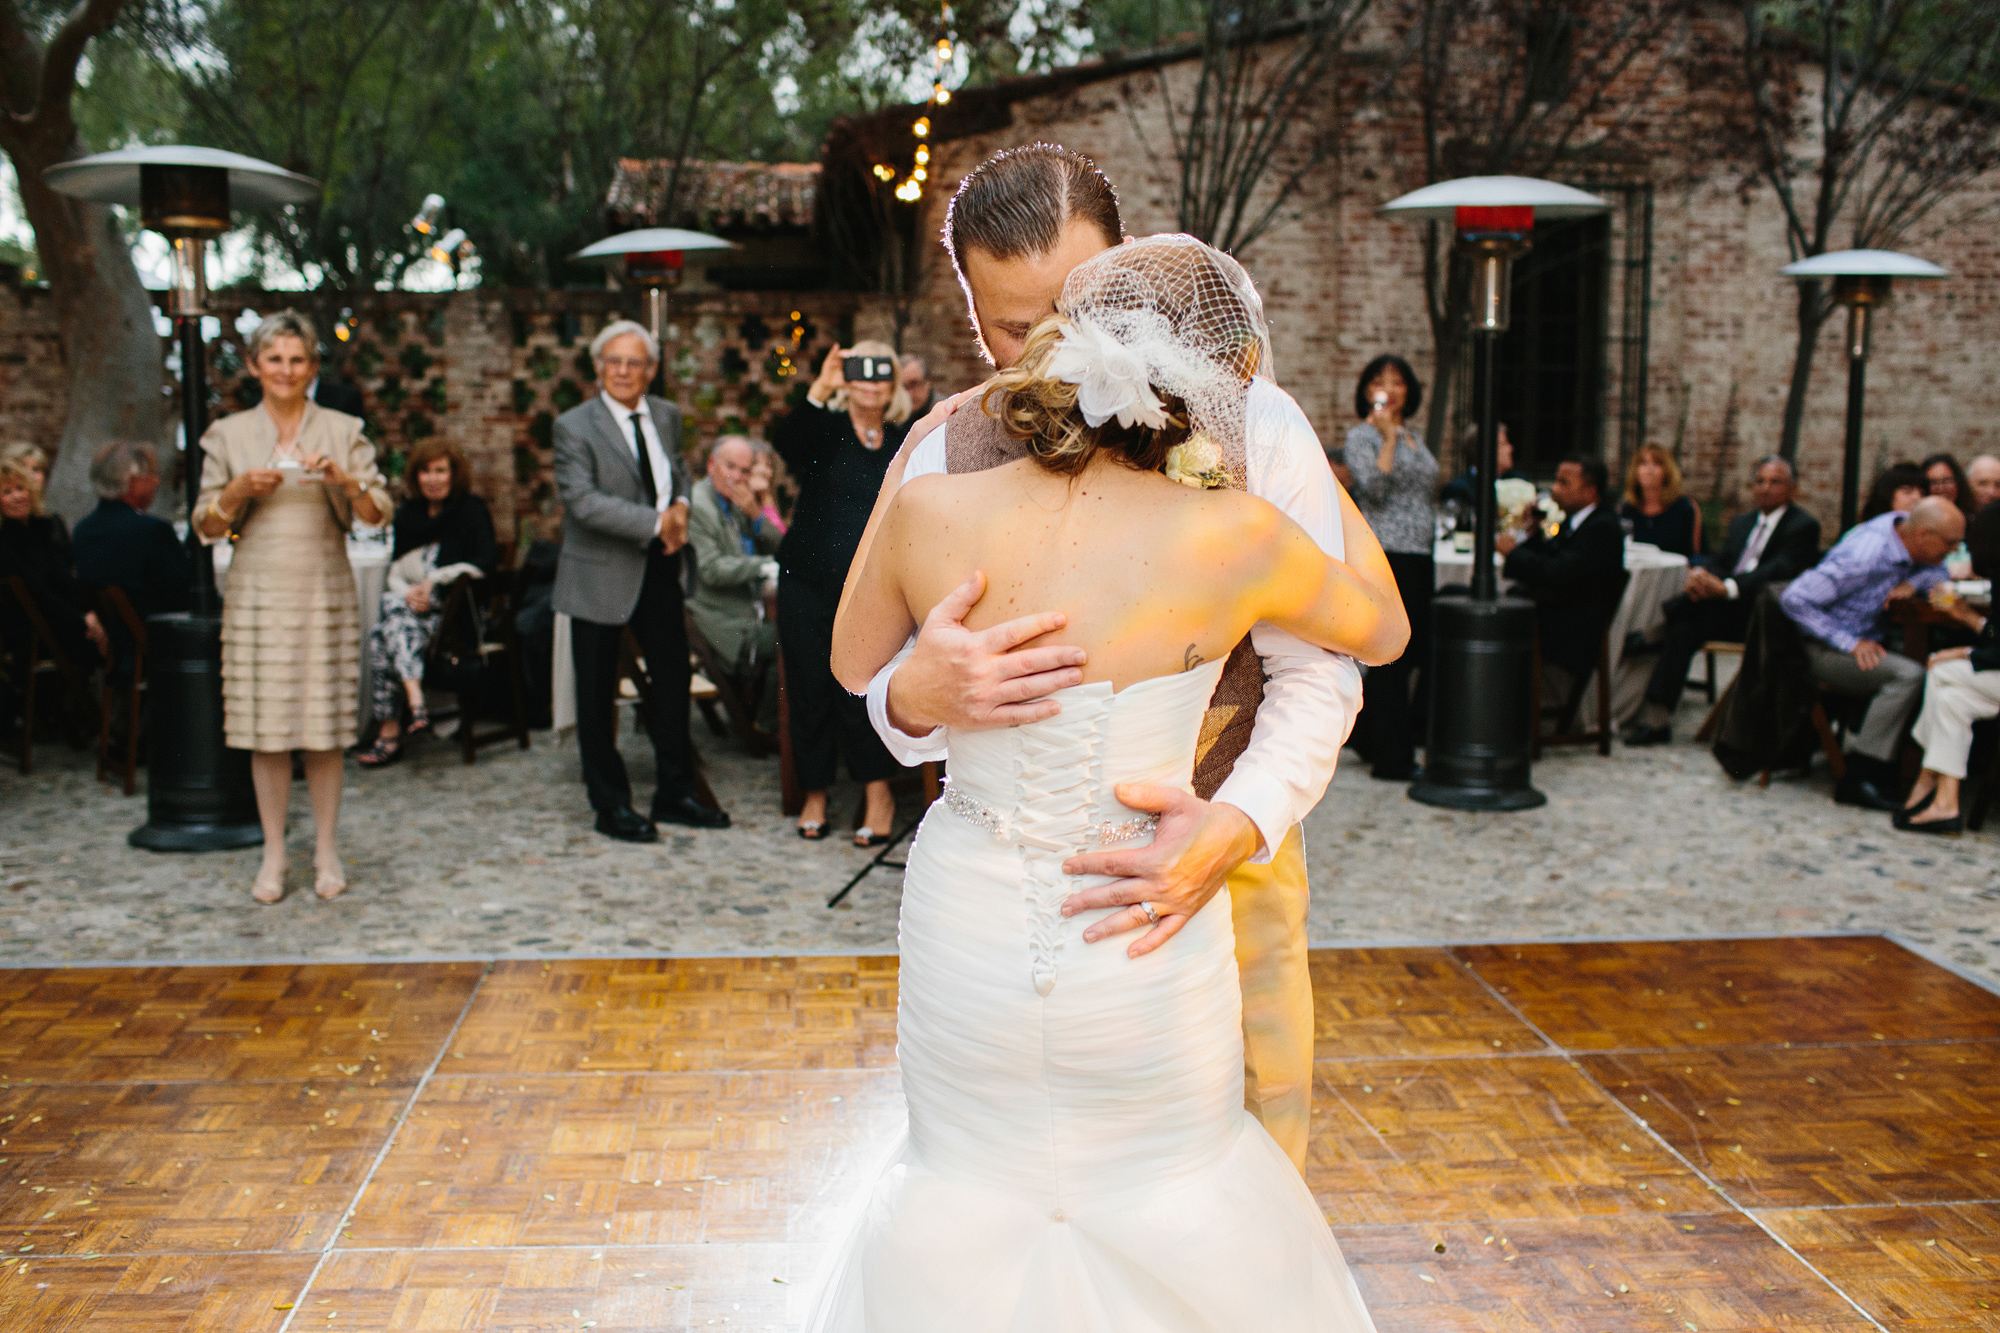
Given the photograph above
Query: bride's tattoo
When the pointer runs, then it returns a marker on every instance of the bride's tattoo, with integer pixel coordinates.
(1192, 660)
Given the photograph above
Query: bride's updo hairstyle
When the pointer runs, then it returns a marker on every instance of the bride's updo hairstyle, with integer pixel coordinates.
(1152, 342)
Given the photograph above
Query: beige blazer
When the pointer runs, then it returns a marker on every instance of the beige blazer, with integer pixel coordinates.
(245, 440)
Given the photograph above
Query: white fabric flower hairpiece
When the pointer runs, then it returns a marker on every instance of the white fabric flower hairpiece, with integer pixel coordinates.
(1110, 377)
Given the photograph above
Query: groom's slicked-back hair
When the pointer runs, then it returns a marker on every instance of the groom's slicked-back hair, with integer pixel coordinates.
(1018, 202)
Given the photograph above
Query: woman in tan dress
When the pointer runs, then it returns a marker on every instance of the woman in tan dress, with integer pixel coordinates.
(284, 481)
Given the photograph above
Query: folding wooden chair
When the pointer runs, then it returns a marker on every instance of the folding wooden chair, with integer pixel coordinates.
(114, 608)
(43, 655)
(737, 700)
(478, 627)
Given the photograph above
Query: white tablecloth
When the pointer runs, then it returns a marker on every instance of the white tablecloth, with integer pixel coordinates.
(562, 680)
(1656, 576)
(370, 563)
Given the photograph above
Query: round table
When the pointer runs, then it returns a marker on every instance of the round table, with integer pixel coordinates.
(1656, 576)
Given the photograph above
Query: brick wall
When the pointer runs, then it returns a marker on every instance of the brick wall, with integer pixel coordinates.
(490, 370)
(33, 395)
(1342, 284)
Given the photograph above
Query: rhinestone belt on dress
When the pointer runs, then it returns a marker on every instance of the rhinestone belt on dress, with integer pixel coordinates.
(1105, 831)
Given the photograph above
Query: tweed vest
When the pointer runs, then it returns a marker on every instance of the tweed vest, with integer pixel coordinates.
(973, 442)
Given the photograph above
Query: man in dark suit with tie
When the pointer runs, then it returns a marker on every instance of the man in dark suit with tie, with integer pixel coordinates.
(1774, 543)
(625, 495)
(1575, 577)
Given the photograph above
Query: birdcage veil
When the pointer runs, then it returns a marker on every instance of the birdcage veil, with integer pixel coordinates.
(1166, 314)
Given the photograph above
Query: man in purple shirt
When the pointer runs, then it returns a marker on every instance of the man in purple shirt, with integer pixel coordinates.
(1838, 608)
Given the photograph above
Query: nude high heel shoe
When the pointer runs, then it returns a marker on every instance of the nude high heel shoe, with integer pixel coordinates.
(329, 881)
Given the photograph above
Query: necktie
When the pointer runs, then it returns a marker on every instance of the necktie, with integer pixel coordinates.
(645, 462)
(1754, 548)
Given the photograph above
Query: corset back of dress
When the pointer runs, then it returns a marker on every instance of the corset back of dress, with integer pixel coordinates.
(1049, 788)
(973, 442)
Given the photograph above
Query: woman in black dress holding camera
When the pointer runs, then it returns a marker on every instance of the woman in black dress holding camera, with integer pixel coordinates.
(838, 444)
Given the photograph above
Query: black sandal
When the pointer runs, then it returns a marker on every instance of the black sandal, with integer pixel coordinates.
(385, 751)
(812, 830)
(420, 722)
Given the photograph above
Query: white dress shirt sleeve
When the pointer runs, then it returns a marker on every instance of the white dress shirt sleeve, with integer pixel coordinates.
(926, 458)
(1311, 696)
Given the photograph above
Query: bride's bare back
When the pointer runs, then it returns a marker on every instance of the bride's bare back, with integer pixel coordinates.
(1153, 576)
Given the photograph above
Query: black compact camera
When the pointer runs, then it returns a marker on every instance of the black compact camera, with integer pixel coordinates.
(868, 369)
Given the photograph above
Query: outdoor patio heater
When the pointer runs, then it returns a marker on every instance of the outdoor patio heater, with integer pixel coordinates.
(198, 792)
(652, 259)
(1861, 280)
(1481, 670)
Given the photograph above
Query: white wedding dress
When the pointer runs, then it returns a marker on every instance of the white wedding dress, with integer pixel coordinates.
(1078, 1156)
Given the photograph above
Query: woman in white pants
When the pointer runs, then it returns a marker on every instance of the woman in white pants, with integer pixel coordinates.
(1963, 688)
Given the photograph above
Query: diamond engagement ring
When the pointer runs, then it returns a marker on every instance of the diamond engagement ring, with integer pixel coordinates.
(1152, 913)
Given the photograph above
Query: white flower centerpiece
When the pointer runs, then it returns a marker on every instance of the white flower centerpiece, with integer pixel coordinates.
(1513, 497)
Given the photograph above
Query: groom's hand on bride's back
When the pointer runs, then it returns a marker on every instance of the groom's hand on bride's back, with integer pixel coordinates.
(1195, 847)
(973, 680)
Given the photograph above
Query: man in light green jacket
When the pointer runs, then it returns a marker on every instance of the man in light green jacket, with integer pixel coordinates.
(734, 562)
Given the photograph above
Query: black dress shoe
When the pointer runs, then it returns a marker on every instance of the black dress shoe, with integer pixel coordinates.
(1643, 735)
(1902, 816)
(1952, 826)
(626, 825)
(687, 810)
(1853, 790)
(1414, 773)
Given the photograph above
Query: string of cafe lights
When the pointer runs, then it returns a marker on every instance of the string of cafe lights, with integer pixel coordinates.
(912, 187)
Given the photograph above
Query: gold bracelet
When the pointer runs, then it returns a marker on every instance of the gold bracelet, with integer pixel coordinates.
(215, 508)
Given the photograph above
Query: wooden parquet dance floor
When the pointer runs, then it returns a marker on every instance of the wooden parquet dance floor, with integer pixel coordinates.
(1796, 1135)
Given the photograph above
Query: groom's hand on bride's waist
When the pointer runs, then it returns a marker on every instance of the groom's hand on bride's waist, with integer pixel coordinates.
(1195, 847)
(977, 679)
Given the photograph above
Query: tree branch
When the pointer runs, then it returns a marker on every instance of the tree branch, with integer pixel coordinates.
(65, 51)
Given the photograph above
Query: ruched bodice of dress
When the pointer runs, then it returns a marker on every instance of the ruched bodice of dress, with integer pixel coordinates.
(1078, 1157)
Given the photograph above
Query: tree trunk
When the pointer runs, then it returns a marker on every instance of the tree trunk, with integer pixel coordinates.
(105, 320)
(1812, 315)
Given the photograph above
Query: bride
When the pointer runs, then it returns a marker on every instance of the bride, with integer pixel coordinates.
(1078, 1156)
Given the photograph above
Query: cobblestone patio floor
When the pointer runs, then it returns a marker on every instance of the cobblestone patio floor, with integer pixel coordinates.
(499, 860)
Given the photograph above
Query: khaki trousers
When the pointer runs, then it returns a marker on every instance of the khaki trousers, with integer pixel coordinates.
(1268, 907)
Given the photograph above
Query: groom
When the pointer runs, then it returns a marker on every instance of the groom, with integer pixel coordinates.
(1017, 226)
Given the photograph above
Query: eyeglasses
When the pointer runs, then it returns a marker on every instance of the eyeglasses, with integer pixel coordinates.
(624, 363)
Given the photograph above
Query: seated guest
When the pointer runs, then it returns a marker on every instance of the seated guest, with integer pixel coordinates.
(1838, 607)
(34, 547)
(1964, 688)
(36, 460)
(1982, 475)
(1460, 488)
(734, 563)
(916, 378)
(1944, 479)
(1660, 515)
(1896, 490)
(443, 532)
(1775, 542)
(120, 545)
(1574, 577)
(764, 486)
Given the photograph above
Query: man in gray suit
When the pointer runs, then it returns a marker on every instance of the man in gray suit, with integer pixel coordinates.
(625, 494)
